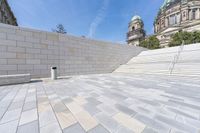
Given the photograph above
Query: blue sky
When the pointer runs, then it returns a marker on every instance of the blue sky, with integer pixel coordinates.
(98, 19)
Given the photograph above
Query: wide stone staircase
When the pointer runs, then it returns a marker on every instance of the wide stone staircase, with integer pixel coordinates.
(181, 60)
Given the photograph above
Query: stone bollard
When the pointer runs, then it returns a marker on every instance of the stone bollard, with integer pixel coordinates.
(53, 73)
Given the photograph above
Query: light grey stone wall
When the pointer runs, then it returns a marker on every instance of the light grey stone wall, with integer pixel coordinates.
(25, 51)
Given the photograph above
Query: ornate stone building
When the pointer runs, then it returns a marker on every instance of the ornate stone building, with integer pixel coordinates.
(136, 31)
(6, 15)
(174, 16)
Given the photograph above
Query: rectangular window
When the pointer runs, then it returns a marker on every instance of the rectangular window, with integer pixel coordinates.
(194, 14)
(172, 20)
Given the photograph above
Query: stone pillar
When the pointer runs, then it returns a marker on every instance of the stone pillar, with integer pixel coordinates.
(178, 18)
(190, 15)
(175, 19)
(166, 22)
(198, 13)
(187, 15)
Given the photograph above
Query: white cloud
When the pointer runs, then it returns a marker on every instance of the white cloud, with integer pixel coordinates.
(98, 19)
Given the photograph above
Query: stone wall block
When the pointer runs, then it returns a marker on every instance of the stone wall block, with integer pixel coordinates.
(7, 55)
(7, 30)
(33, 51)
(3, 61)
(25, 67)
(32, 40)
(3, 48)
(4, 42)
(16, 61)
(33, 61)
(15, 37)
(52, 36)
(41, 35)
(24, 44)
(2, 35)
(40, 67)
(8, 67)
(24, 33)
(15, 49)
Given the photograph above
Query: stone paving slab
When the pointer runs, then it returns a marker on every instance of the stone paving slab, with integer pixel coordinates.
(106, 103)
(31, 127)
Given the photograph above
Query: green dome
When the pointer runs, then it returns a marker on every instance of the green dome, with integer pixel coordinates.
(166, 3)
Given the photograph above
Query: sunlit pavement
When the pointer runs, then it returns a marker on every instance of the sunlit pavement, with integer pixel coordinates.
(117, 103)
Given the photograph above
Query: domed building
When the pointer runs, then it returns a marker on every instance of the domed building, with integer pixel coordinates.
(136, 31)
(174, 16)
(6, 14)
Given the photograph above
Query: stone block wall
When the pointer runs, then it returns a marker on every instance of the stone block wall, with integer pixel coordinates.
(31, 51)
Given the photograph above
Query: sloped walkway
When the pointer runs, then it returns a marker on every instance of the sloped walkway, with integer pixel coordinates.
(116, 103)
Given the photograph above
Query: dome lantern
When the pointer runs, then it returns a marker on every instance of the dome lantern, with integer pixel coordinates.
(136, 17)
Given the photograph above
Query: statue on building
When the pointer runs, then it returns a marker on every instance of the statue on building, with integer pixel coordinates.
(6, 15)
(136, 31)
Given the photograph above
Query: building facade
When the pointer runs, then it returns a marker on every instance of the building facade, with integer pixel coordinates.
(6, 15)
(136, 31)
(174, 16)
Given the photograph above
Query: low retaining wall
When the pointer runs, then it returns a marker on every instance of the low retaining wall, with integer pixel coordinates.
(25, 50)
(14, 79)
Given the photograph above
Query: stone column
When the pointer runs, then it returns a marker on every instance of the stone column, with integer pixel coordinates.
(190, 15)
(198, 13)
(186, 14)
(166, 22)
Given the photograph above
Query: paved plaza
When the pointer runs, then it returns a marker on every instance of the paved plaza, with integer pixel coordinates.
(106, 103)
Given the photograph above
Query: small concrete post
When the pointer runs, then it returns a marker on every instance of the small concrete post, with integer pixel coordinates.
(53, 73)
